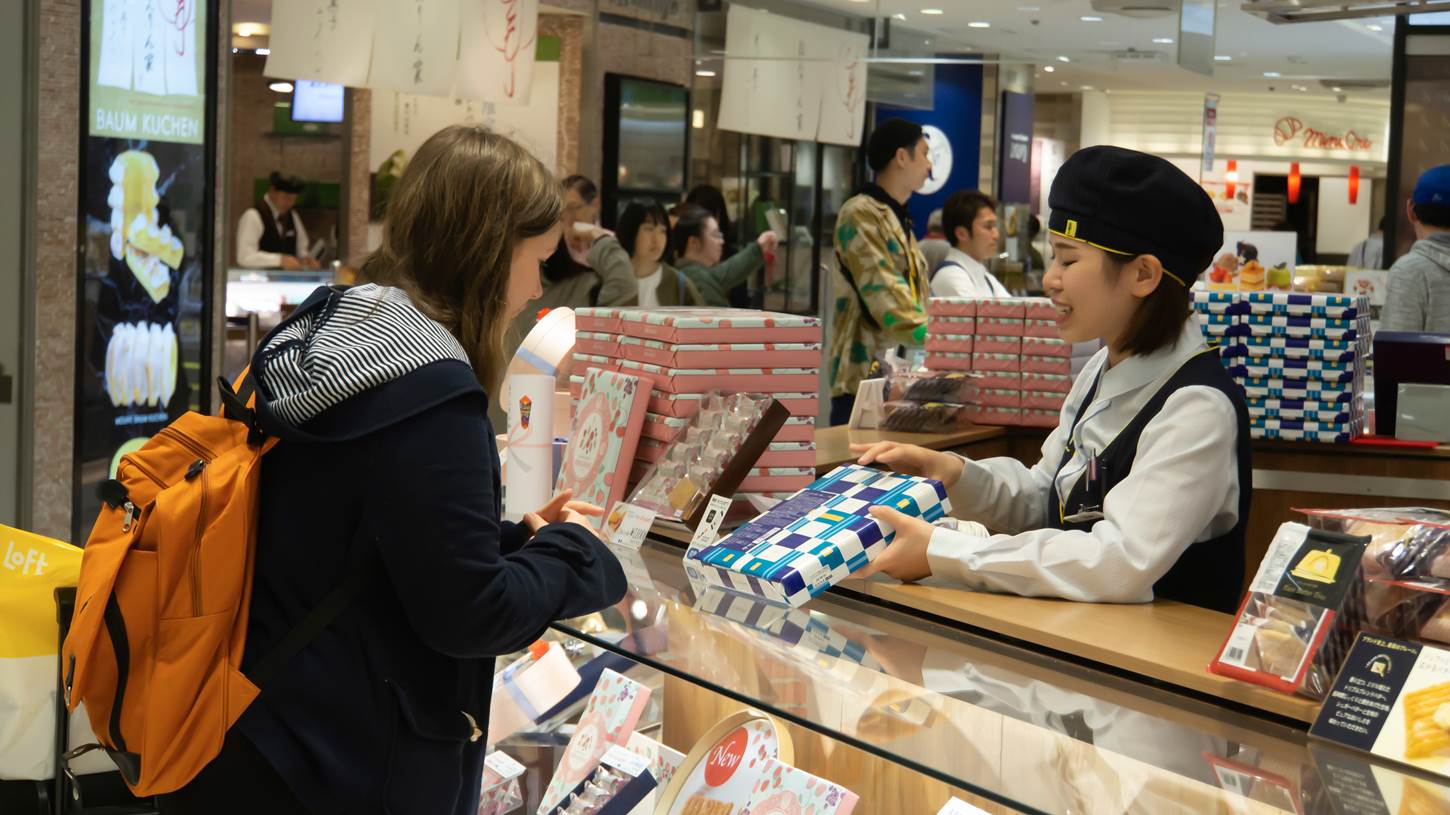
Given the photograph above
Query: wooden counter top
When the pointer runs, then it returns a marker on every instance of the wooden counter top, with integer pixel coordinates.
(1165, 641)
(833, 444)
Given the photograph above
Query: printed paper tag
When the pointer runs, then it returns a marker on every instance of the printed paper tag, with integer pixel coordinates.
(628, 525)
(709, 529)
(622, 759)
(503, 764)
(957, 806)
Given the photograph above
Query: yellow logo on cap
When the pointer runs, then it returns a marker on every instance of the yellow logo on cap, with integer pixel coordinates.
(1072, 229)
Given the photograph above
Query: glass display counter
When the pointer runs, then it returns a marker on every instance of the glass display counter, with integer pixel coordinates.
(906, 712)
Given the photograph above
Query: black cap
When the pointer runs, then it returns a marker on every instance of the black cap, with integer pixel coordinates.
(888, 137)
(287, 183)
(1131, 203)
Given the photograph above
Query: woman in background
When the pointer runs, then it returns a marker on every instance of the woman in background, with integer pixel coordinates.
(641, 249)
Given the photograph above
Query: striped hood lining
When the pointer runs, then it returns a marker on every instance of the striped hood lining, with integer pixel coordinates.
(361, 338)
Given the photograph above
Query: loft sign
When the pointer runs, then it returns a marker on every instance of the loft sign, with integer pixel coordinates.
(1289, 128)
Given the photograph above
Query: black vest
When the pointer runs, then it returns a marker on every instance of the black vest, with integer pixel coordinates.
(282, 242)
(1209, 573)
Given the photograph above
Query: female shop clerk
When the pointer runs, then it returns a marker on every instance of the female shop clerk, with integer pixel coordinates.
(1143, 488)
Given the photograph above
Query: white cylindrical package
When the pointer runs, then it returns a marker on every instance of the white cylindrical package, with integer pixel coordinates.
(529, 478)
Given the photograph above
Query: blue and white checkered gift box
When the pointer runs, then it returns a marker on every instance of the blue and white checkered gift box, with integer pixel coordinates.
(817, 537)
(1305, 410)
(1300, 304)
(788, 629)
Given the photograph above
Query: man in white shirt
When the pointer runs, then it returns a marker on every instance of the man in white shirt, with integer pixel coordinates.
(270, 235)
(970, 221)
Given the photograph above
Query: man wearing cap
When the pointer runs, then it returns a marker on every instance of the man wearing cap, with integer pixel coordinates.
(1142, 490)
(881, 295)
(270, 235)
(1418, 298)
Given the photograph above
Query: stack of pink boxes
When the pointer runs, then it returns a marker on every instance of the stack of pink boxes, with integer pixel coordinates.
(1023, 368)
(685, 353)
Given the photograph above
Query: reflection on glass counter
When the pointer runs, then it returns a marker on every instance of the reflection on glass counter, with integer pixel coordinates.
(1028, 731)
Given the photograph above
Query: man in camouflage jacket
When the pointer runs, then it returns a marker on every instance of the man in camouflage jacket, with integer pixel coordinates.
(881, 300)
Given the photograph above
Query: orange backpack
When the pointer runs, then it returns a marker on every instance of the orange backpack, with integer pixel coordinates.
(155, 647)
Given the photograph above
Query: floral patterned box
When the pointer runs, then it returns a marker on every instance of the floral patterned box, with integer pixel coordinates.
(609, 719)
(785, 790)
(607, 427)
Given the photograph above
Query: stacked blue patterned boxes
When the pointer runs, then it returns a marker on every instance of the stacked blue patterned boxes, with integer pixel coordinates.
(1299, 357)
(817, 537)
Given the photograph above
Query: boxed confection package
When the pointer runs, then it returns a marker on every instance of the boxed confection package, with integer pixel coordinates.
(700, 380)
(1304, 607)
(999, 326)
(937, 386)
(999, 397)
(687, 326)
(721, 355)
(1303, 410)
(1275, 325)
(956, 326)
(1039, 417)
(951, 307)
(1046, 347)
(997, 362)
(609, 718)
(1308, 389)
(910, 416)
(998, 380)
(1041, 328)
(1301, 304)
(815, 538)
(986, 344)
(948, 361)
(1043, 400)
(1291, 348)
(1057, 366)
(1013, 308)
(1001, 416)
(1061, 383)
(598, 320)
(1338, 373)
(950, 343)
(785, 790)
(597, 343)
(1039, 309)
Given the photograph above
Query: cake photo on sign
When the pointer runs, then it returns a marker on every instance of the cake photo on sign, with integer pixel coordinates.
(721, 771)
(607, 427)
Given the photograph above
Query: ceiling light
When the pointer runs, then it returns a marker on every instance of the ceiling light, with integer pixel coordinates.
(1087, 87)
(979, 24)
(932, 11)
(1063, 59)
(1222, 58)
(697, 119)
(898, 16)
(264, 52)
(281, 87)
(1337, 89)
(704, 72)
(916, 73)
(1048, 68)
(1064, 84)
(1373, 27)
(1272, 74)
(1091, 19)
(1163, 40)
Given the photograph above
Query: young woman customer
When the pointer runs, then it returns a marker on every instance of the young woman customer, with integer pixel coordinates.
(641, 248)
(700, 244)
(1143, 488)
(387, 467)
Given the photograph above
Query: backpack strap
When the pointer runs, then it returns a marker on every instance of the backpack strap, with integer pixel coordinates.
(322, 615)
(237, 404)
(945, 263)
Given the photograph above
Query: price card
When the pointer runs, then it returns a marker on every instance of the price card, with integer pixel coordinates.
(628, 525)
(957, 806)
(709, 529)
(503, 764)
(620, 758)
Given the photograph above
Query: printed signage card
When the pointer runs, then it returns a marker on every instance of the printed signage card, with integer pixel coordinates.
(1392, 699)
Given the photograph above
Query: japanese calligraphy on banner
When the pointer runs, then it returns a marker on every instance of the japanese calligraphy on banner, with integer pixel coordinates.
(496, 55)
(322, 40)
(790, 79)
(146, 74)
(415, 46)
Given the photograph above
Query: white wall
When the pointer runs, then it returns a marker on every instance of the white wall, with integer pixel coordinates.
(1341, 224)
(1097, 121)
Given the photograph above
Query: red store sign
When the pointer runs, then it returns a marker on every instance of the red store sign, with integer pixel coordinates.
(1289, 128)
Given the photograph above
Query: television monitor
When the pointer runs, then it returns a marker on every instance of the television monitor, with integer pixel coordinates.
(316, 101)
(1405, 356)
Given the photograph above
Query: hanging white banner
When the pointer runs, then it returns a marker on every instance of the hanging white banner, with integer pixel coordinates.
(496, 52)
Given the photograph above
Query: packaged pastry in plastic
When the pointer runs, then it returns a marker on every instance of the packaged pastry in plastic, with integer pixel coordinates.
(715, 453)
(1301, 614)
(925, 417)
(1405, 542)
(933, 386)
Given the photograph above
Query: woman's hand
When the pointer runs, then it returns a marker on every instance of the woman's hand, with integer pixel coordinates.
(768, 241)
(905, 557)
(912, 460)
(562, 510)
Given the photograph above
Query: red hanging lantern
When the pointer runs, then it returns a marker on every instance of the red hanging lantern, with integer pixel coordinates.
(1231, 178)
(1294, 181)
(1353, 184)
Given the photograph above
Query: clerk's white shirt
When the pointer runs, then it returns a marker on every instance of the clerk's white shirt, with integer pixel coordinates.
(249, 238)
(1183, 488)
(964, 276)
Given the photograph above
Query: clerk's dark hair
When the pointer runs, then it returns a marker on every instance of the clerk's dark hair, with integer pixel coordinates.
(636, 215)
(1158, 320)
(464, 202)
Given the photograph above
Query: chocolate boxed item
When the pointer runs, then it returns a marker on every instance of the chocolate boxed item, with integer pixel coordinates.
(951, 307)
(609, 718)
(996, 362)
(1301, 614)
(925, 417)
(999, 326)
(1299, 304)
(817, 537)
(985, 344)
(686, 326)
(935, 386)
(618, 784)
(1406, 543)
(950, 343)
(713, 456)
(945, 361)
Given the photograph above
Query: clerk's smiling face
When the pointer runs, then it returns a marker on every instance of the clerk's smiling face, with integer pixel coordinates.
(1093, 300)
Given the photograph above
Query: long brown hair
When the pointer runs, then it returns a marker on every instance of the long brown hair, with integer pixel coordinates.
(466, 198)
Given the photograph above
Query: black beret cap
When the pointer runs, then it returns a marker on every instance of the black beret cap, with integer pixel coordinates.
(287, 183)
(1131, 203)
(888, 137)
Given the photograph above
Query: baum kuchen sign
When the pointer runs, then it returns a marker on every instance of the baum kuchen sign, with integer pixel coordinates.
(1289, 129)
